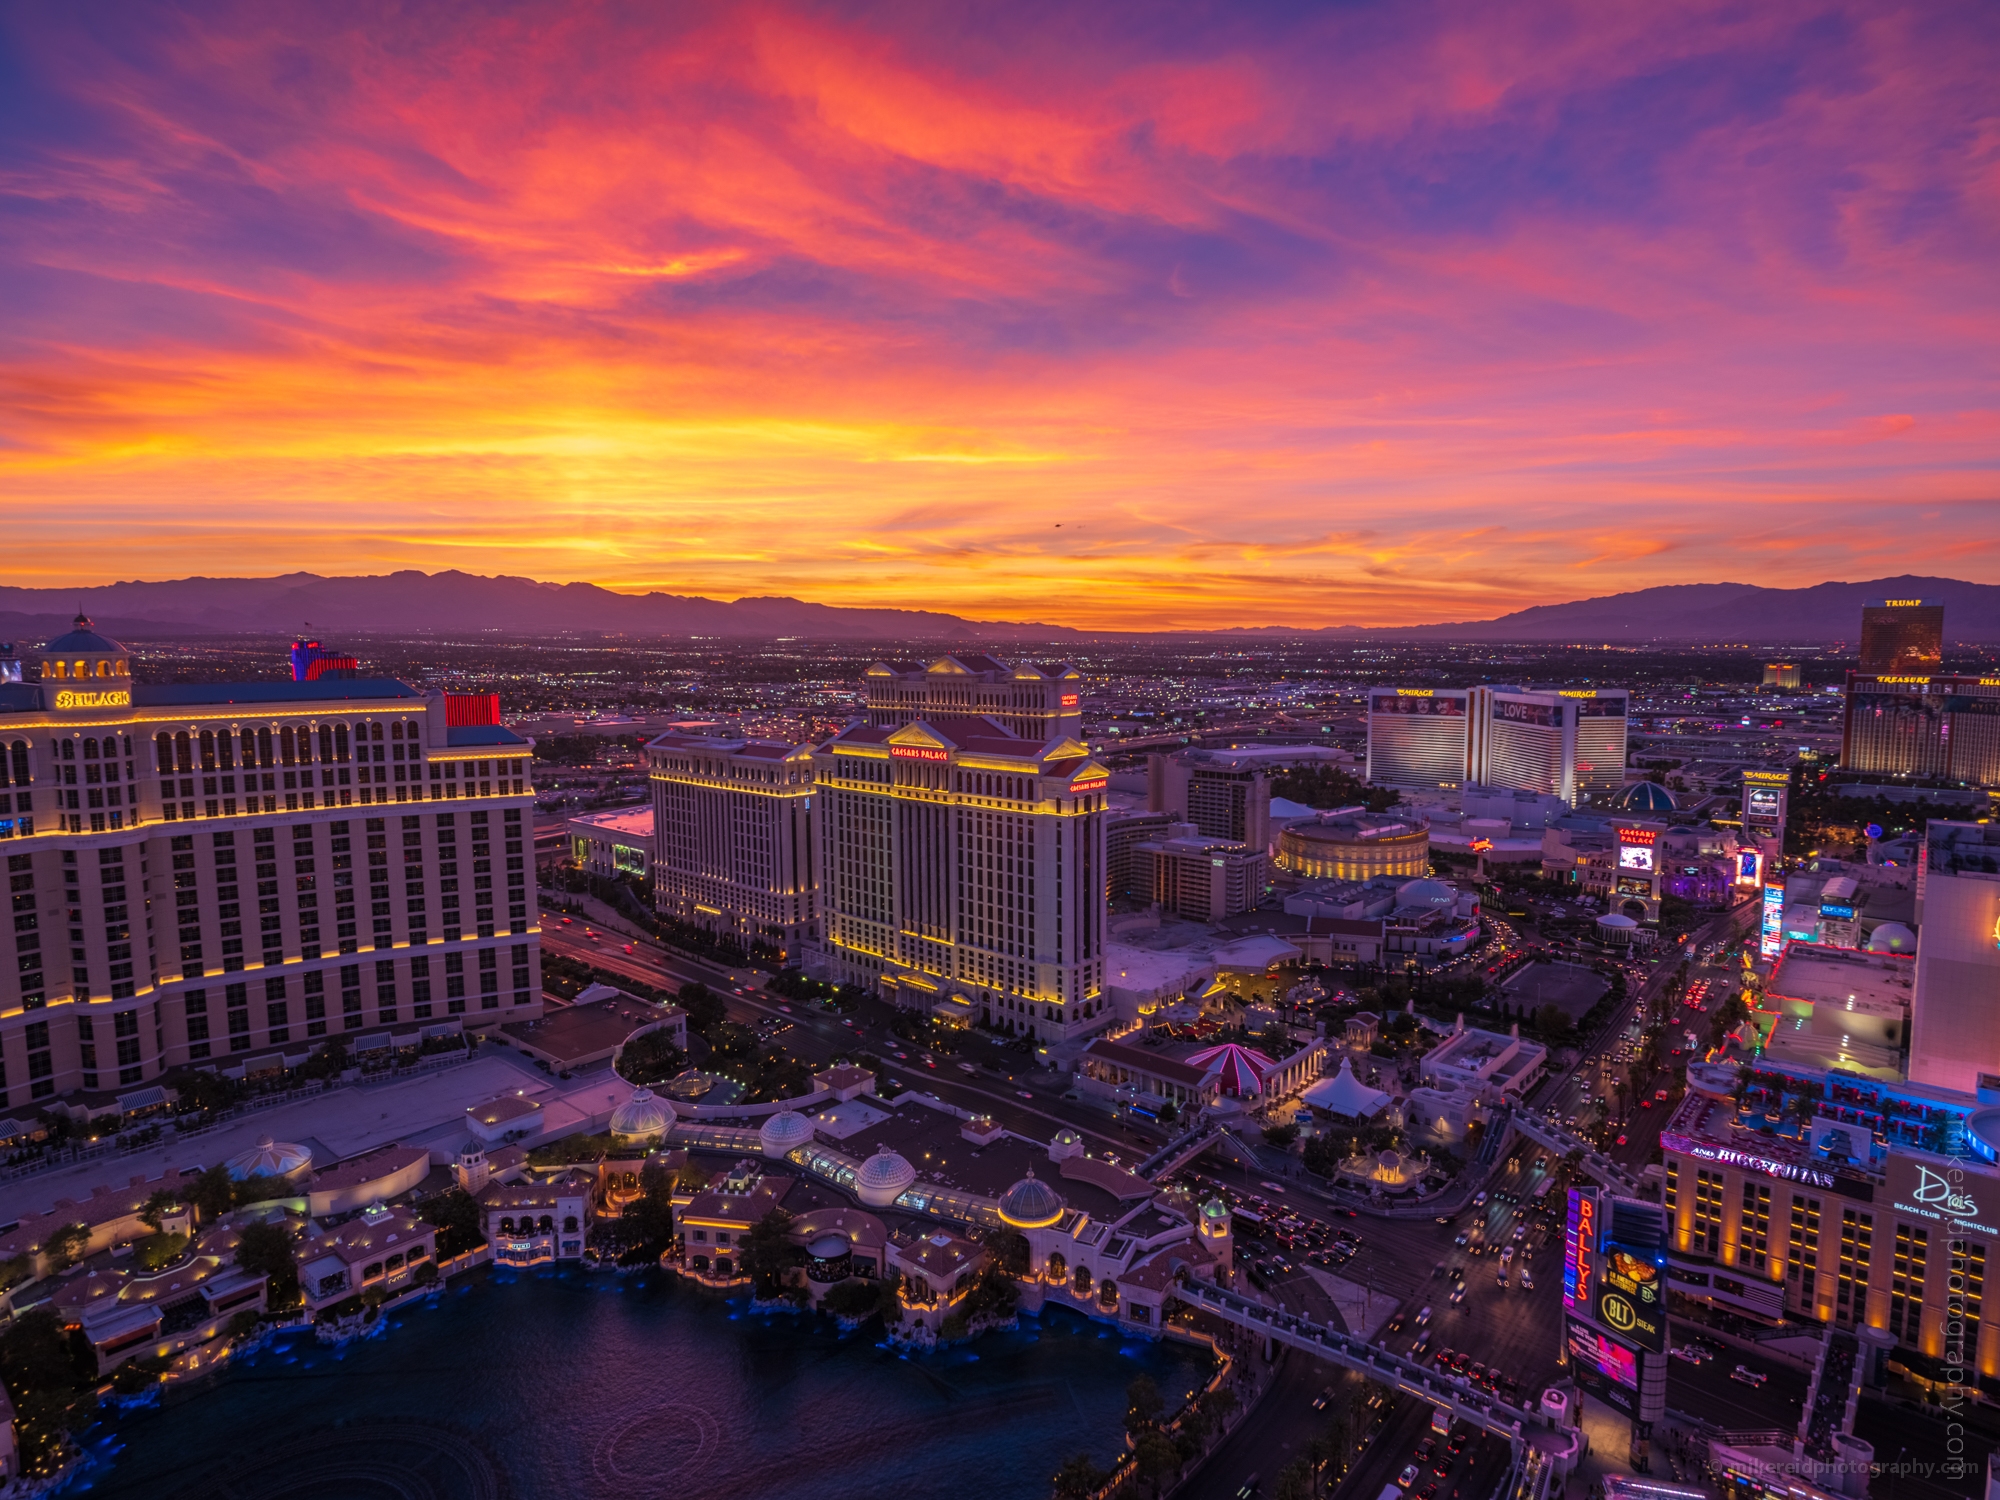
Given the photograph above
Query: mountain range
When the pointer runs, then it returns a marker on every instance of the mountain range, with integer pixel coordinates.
(414, 603)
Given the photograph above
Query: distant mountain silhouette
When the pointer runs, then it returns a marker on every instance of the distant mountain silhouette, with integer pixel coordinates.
(446, 603)
(1713, 613)
(452, 603)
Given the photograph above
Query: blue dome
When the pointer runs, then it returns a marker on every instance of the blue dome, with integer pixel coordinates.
(1645, 797)
(82, 638)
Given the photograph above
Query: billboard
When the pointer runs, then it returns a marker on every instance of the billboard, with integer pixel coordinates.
(1760, 804)
(1607, 1357)
(1632, 1293)
(1771, 937)
(1635, 857)
(1447, 708)
(1749, 865)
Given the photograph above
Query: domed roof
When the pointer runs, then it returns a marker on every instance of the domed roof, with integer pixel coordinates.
(1426, 893)
(1214, 1209)
(1892, 937)
(784, 1132)
(642, 1115)
(1645, 797)
(883, 1178)
(1031, 1203)
(83, 637)
(1616, 920)
(269, 1158)
(829, 1246)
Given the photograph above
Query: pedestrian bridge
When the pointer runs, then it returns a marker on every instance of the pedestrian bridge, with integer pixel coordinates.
(1593, 1163)
(1539, 1445)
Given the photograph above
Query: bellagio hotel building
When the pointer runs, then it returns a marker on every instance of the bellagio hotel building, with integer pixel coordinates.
(226, 874)
(961, 846)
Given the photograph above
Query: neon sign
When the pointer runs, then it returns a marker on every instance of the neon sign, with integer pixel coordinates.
(918, 752)
(1416, 692)
(1902, 603)
(1579, 1248)
(1636, 836)
(1069, 700)
(112, 698)
(1728, 1156)
(1090, 783)
(1576, 692)
(1902, 679)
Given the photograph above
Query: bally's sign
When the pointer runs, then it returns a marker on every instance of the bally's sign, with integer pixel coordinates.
(110, 698)
(1943, 1194)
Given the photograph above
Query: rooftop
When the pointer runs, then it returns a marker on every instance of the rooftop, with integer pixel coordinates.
(1874, 983)
(572, 1035)
(637, 821)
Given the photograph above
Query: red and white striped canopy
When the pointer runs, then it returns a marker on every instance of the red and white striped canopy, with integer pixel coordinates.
(1242, 1069)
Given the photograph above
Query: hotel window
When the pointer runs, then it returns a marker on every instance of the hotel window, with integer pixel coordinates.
(1753, 1232)
(1805, 1248)
(1906, 1282)
(1707, 1211)
(1967, 1291)
(1857, 1243)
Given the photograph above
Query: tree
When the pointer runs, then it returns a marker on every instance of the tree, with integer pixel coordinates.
(213, 1195)
(1295, 1481)
(766, 1253)
(652, 1058)
(460, 1224)
(1157, 1457)
(703, 1006)
(52, 1383)
(1143, 1404)
(67, 1245)
(651, 1214)
(266, 1249)
(158, 1204)
(850, 1299)
(1079, 1479)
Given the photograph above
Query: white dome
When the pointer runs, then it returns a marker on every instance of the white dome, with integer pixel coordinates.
(269, 1158)
(1617, 921)
(641, 1116)
(1892, 937)
(784, 1132)
(1426, 893)
(883, 1178)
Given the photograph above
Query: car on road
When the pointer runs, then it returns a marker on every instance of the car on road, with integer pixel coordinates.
(1408, 1477)
(968, 1068)
(1748, 1376)
(1527, 1281)
(1462, 1241)
(1248, 1490)
(1437, 1270)
(1272, 1187)
(1457, 1295)
(1024, 1093)
(1320, 1401)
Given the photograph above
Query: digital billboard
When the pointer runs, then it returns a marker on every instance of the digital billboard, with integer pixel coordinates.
(1605, 1356)
(1772, 927)
(1749, 865)
(1631, 1293)
(1761, 803)
(1631, 857)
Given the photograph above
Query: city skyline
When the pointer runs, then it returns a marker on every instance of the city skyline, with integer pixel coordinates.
(1373, 318)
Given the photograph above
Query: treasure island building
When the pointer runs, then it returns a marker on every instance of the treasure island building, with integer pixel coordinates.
(211, 873)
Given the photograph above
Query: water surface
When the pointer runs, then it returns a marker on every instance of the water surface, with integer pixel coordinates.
(565, 1383)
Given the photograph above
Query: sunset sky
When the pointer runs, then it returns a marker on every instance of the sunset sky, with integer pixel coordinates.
(1118, 314)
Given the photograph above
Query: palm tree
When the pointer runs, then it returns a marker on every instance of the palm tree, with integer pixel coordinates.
(1079, 1479)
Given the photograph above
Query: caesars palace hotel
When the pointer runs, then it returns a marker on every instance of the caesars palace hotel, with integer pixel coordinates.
(213, 873)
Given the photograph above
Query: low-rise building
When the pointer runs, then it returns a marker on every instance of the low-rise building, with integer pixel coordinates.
(1485, 1064)
(716, 1221)
(528, 1223)
(614, 843)
(383, 1251)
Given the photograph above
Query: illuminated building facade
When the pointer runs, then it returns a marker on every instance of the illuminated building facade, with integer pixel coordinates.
(1417, 737)
(957, 859)
(1930, 727)
(1035, 700)
(1224, 796)
(1781, 674)
(1204, 879)
(733, 837)
(185, 869)
(1873, 1207)
(1955, 1034)
(1902, 637)
(1356, 846)
(1562, 742)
